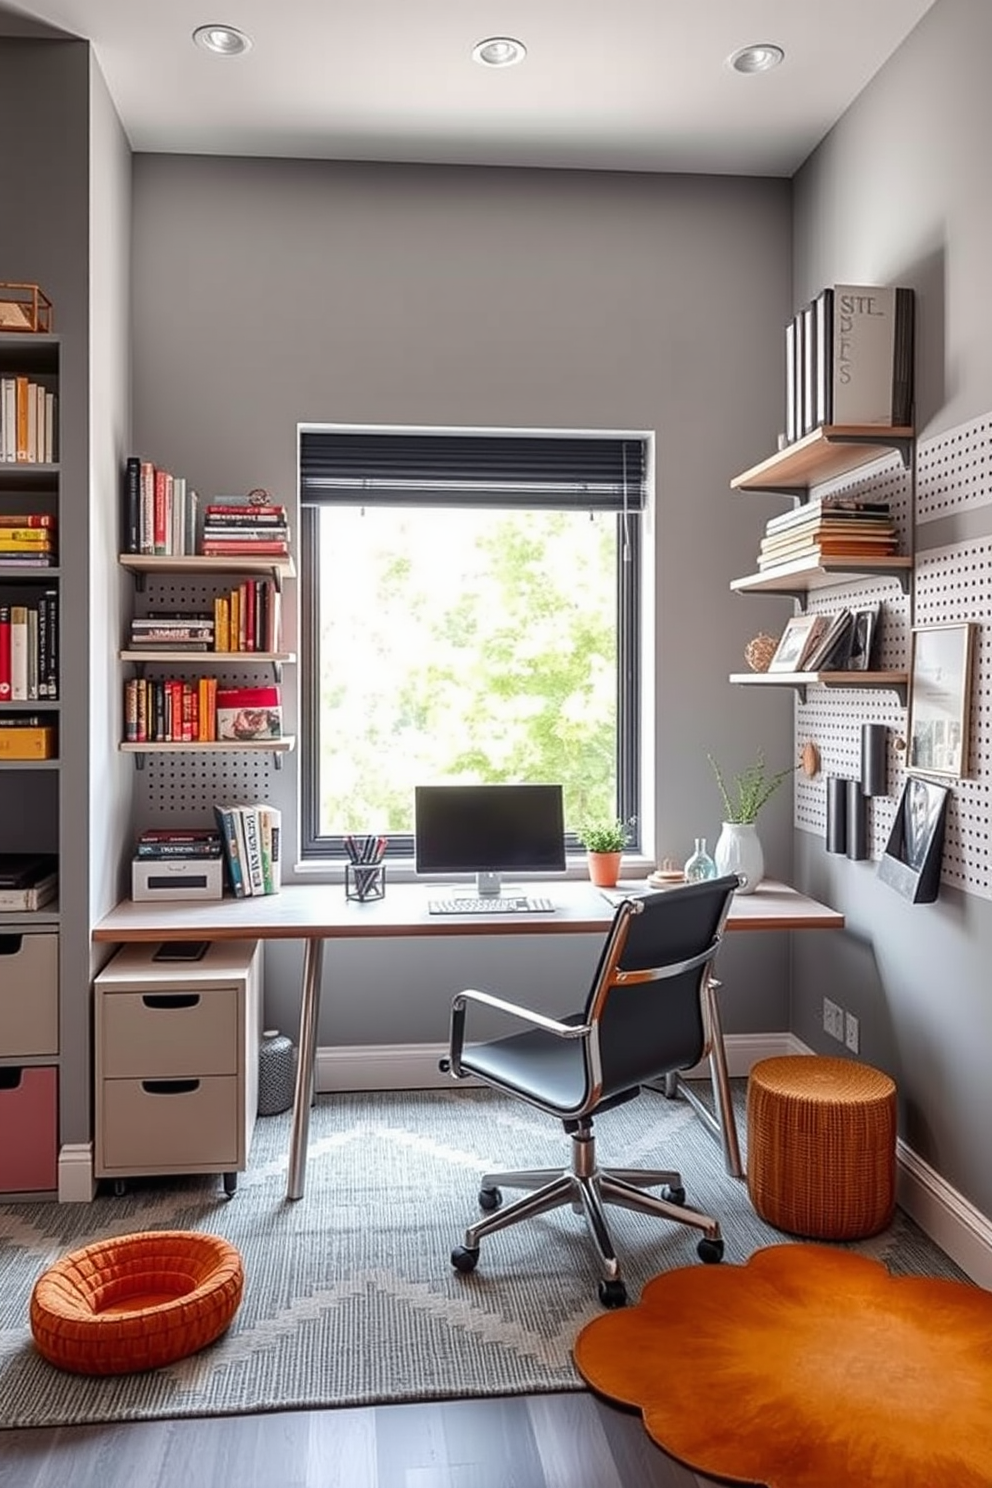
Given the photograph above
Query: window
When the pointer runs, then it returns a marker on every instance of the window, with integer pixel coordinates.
(470, 613)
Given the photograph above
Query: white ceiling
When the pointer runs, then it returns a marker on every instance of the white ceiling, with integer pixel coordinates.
(607, 84)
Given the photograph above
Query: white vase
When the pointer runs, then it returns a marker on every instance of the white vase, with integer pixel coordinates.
(738, 850)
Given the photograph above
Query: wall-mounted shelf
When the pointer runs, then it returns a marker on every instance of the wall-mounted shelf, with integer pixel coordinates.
(29, 573)
(195, 659)
(831, 450)
(797, 579)
(142, 564)
(896, 682)
(278, 747)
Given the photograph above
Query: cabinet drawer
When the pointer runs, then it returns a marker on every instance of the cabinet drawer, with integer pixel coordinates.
(28, 1130)
(29, 995)
(169, 1033)
(170, 1125)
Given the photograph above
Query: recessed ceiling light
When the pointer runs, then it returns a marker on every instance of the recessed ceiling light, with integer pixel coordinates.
(225, 41)
(761, 57)
(499, 51)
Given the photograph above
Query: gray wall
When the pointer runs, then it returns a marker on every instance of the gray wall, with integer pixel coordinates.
(272, 292)
(898, 193)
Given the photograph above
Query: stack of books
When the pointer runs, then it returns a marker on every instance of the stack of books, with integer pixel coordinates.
(165, 710)
(833, 528)
(27, 422)
(28, 540)
(172, 632)
(159, 843)
(252, 847)
(28, 881)
(244, 527)
(249, 617)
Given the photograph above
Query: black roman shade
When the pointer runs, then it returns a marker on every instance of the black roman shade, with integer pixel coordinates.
(551, 471)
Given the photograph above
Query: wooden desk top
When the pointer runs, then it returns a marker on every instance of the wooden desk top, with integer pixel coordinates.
(302, 911)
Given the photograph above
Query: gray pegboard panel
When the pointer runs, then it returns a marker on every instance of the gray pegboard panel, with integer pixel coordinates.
(953, 584)
(176, 790)
(954, 470)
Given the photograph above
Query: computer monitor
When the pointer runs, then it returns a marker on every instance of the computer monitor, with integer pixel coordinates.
(489, 830)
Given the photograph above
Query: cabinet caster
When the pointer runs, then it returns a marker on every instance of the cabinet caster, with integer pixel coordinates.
(230, 1184)
(120, 1187)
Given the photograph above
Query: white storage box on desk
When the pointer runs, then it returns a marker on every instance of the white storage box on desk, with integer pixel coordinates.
(177, 1061)
(177, 878)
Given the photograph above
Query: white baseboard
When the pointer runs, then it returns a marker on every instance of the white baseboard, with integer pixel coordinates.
(76, 1182)
(961, 1230)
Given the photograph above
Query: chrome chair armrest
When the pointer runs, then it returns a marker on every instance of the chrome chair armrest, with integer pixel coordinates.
(459, 1009)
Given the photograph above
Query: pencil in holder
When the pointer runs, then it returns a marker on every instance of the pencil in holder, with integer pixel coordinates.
(364, 881)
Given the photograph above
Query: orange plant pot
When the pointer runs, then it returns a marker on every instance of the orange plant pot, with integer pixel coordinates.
(604, 868)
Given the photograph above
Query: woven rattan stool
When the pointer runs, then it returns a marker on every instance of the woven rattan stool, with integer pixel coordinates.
(821, 1139)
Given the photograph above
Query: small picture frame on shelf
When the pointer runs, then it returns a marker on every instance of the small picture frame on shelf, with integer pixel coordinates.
(940, 699)
(864, 628)
(799, 635)
(913, 855)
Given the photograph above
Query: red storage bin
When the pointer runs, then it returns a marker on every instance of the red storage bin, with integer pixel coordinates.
(28, 1129)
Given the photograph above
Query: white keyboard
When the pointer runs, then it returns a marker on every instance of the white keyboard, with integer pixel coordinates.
(498, 904)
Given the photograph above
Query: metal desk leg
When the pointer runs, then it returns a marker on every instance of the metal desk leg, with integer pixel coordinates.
(313, 965)
(723, 1125)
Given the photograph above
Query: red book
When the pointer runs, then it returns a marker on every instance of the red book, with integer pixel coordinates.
(33, 519)
(221, 548)
(4, 653)
(160, 530)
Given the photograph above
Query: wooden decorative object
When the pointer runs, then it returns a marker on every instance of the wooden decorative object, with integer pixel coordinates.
(24, 307)
(759, 652)
(809, 759)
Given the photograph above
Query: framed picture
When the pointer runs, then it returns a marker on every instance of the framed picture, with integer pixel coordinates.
(940, 699)
(798, 636)
(914, 852)
(863, 629)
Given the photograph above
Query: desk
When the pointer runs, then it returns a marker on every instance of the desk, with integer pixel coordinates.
(315, 913)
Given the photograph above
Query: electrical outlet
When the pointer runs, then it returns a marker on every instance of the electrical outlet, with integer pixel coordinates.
(852, 1032)
(833, 1019)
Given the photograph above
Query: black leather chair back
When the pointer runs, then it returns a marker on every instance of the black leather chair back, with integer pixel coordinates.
(651, 1026)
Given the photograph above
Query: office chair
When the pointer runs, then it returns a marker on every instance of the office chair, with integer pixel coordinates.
(645, 1016)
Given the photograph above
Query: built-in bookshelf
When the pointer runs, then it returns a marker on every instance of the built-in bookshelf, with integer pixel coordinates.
(32, 818)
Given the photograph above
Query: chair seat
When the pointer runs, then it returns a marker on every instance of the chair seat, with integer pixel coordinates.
(535, 1064)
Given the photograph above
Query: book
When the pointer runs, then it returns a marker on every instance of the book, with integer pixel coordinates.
(249, 713)
(204, 848)
(870, 364)
(25, 870)
(36, 897)
(5, 678)
(27, 519)
(232, 854)
(834, 642)
(253, 847)
(18, 653)
(131, 526)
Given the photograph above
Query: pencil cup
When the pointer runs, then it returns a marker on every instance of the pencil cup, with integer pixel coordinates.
(364, 881)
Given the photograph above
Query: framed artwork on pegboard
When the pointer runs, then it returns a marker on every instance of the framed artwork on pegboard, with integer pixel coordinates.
(940, 699)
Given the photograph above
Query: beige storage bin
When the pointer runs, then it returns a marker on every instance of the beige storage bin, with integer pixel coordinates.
(29, 995)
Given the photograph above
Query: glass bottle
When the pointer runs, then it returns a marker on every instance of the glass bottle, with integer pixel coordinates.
(700, 865)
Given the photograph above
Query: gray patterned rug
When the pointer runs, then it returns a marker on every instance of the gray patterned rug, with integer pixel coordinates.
(350, 1298)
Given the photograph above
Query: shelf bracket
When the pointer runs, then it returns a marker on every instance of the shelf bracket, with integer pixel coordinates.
(277, 761)
(903, 444)
(139, 760)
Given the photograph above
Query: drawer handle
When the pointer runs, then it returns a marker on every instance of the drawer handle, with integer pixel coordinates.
(169, 1087)
(10, 1078)
(10, 945)
(170, 999)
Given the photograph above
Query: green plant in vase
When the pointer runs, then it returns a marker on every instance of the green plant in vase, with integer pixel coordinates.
(738, 848)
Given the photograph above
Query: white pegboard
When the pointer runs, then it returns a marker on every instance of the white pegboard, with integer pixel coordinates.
(953, 583)
(954, 470)
(954, 473)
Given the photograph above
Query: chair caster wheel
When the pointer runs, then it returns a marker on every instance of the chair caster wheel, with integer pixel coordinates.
(612, 1294)
(674, 1195)
(710, 1251)
(464, 1259)
(489, 1199)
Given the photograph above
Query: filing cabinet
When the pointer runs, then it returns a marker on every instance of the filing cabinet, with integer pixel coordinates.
(177, 1062)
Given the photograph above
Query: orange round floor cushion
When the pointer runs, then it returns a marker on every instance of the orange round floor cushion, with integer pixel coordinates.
(136, 1302)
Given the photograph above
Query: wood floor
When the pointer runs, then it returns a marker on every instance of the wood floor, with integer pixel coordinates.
(569, 1440)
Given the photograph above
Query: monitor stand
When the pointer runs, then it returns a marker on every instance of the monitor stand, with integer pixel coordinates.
(488, 885)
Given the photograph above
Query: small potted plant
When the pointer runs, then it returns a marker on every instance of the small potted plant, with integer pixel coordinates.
(738, 848)
(604, 842)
